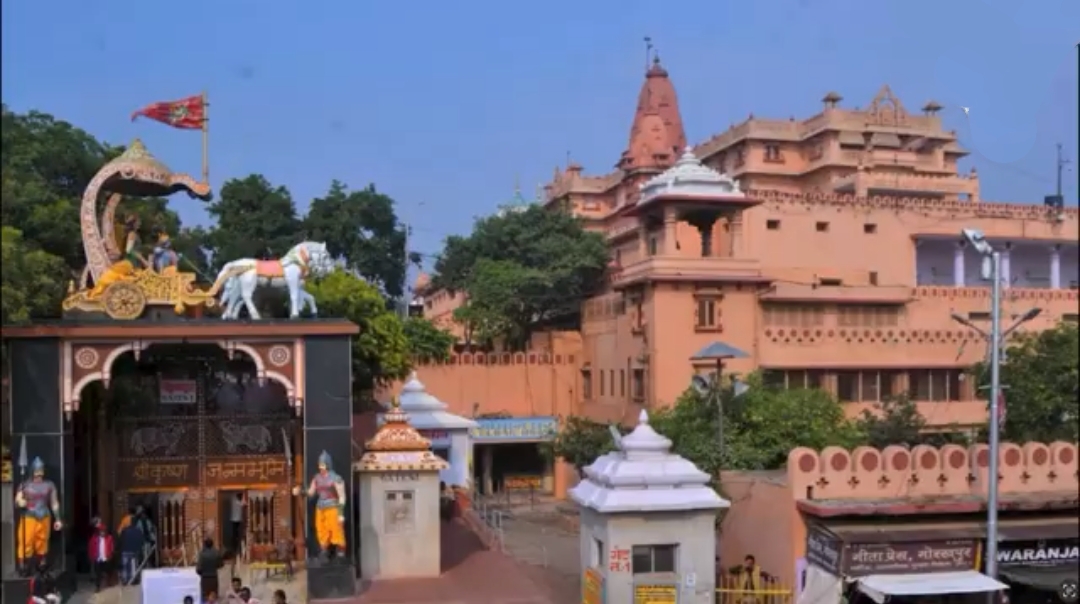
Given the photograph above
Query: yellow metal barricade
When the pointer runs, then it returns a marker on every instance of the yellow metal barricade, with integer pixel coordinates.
(731, 590)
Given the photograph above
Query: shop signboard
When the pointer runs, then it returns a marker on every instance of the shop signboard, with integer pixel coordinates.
(828, 552)
(516, 429)
(862, 559)
(1047, 552)
(824, 551)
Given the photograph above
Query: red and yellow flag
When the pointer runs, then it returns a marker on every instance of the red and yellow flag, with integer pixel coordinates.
(186, 114)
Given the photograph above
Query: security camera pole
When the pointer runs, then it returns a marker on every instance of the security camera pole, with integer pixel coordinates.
(992, 269)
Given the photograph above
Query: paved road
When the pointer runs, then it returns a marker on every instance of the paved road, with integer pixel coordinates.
(471, 574)
(540, 565)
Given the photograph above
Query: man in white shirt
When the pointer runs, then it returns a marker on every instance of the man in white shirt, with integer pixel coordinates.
(236, 516)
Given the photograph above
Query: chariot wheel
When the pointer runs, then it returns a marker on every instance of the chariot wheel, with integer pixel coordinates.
(124, 301)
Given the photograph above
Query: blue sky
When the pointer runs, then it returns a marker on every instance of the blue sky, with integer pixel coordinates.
(444, 105)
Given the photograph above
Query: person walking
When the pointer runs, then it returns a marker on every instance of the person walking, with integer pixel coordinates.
(236, 517)
(207, 567)
(100, 552)
(146, 524)
(132, 543)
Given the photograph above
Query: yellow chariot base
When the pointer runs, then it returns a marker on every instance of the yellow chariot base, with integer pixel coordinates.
(124, 293)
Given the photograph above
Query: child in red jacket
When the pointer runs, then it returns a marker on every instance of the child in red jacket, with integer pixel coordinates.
(100, 552)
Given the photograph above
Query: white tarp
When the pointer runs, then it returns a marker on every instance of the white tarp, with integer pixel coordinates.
(168, 585)
(820, 587)
(878, 587)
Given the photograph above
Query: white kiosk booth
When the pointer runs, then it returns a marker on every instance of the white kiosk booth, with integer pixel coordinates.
(448, 433)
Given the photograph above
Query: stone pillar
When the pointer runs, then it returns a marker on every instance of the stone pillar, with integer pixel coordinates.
(1055, 267)
(1006, 266)
(37, 417)
(735, 226)
(643, 239)
(328, 427)
(959, 270)
(458, 472)
(671, 231)
(705, 224)
(487, 461)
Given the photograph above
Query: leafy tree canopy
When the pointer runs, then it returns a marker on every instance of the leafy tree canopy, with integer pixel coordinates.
(255, 219)
(1040, 374)
(33, 283)
(362, 228)
(381, 351)
(760, 428)
(521, 268)
(427, 342)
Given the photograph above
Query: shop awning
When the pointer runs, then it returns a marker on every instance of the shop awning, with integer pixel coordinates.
(878, 587)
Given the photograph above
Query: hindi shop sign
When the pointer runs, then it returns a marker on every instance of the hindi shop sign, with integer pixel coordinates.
(861, 559)
(1051, 552)
(840, 559)
(824, 551)
(178, 392)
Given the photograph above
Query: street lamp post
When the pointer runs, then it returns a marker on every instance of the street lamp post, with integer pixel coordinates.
(991, 269)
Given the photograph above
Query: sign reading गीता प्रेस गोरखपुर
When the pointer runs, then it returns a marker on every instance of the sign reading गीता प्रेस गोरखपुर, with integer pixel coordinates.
(515, 429)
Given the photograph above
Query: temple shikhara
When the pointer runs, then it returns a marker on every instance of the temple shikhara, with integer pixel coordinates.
(823, 251)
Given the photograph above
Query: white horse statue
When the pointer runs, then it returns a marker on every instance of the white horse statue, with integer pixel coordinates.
(239, 279)
(233, 302)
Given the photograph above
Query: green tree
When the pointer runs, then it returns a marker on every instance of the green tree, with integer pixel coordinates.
(362, 228)
(426, 341)
(761, 426)
(254, 220)
(1041, 375)
(33, 281)
(45, 164)
(523, 268)
(897, 421)
(44, 170)
(381, 351)
(764, 424)
(580, 441)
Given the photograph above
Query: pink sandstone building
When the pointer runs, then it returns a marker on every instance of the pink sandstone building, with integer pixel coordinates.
(828, 250)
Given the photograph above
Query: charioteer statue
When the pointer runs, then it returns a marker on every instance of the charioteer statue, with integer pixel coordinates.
(40, 505)
(328, 489)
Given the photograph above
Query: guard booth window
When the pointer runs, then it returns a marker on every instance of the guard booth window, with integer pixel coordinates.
(647, 559)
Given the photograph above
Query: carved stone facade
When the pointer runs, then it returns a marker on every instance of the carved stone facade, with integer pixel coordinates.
(83, 363)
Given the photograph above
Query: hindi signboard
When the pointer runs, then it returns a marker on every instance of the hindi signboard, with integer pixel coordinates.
(165, 474)
(655, 594)
(824, 551)
(592, 587)
(234, 472)
(828, 552)
(178, 392)
(861, 559)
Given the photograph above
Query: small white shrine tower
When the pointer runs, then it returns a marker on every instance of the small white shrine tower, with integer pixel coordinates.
(648, 523)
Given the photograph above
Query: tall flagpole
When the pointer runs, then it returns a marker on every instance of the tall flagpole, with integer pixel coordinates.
(205, 139)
